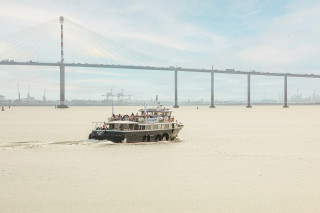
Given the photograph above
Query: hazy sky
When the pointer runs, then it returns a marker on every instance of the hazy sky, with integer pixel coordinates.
(269, 36)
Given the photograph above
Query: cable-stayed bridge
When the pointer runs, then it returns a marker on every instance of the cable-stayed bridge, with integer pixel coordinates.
(19, 48)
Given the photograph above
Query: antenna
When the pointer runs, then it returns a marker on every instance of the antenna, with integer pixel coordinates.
(110, 94)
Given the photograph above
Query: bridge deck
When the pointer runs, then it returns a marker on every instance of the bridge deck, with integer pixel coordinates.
(162, 69)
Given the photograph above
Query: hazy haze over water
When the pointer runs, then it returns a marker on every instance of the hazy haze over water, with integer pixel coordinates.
(230, 159)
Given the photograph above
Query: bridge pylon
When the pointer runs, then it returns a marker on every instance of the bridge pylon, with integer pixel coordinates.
(62, 70)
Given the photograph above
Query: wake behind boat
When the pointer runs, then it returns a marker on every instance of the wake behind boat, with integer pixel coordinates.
(151, 125)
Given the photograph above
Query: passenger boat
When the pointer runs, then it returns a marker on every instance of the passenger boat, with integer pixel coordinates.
(151, 125)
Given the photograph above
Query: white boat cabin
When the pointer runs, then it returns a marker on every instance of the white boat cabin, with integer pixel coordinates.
(131, 126)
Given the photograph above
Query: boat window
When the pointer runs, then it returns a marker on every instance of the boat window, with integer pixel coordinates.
(116, 126)
(124, 126)
(132, 126)
(142, 127)
(166, 126)
(155, 126)
(148, 127)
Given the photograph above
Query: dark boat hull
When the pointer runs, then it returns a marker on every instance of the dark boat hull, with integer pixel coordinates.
(135, 136)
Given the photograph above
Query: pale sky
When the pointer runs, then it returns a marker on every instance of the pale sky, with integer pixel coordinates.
(267, 36)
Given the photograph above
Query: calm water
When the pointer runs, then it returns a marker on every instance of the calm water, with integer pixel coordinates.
(228, 159)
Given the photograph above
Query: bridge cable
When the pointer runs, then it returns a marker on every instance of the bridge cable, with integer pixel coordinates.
(114, 44)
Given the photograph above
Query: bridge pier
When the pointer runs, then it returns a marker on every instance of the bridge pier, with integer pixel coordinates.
(212, 90)
(249, 90)
(285, 104)
(175, 89)
(62, 87)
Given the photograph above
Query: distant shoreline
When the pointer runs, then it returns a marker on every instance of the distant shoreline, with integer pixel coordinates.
(181, 105)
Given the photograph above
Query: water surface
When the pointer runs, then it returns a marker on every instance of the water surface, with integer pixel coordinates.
(228, 159)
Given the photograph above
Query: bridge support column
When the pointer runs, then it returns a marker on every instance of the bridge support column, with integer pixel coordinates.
(212, 90)
(285, 104)
(249, 90)
(176, 89)
(62, 87)
(62, 84)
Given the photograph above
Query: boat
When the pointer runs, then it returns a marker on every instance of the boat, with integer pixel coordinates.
(151, 125)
